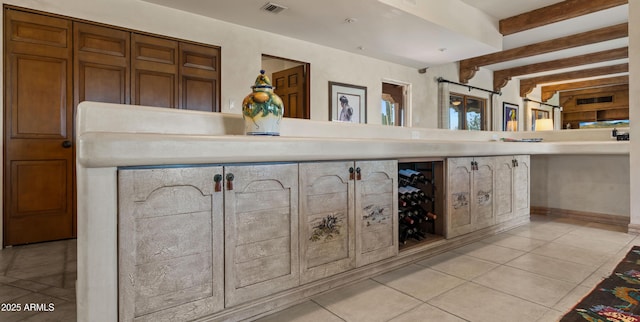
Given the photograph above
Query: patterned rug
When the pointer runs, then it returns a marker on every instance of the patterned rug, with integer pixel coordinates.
(616, 298)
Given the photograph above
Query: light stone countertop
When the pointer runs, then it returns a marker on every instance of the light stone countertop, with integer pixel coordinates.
(112, 135)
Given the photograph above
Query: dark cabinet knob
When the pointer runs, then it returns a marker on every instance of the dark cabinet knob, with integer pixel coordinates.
(358, 174)
(229, 178)
(66, 144)
(218, 182)
(351, 175)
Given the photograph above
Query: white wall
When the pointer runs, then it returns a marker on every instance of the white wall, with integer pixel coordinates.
(588, 183)
(634, 113)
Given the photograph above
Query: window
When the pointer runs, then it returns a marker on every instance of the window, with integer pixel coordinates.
(466, 112)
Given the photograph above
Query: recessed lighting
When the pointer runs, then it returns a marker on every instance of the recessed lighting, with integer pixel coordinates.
(360, 47)
(351, 20)
(442, 49)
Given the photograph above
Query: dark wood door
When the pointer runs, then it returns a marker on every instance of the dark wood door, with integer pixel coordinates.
(101, 64)
(290, 86)
(38, 123)
(199, 77)
(154, 71)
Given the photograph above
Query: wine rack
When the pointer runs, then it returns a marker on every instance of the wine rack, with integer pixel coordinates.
(420, 203)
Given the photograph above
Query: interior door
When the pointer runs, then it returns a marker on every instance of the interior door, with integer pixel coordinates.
(38, 123)
(289, 85)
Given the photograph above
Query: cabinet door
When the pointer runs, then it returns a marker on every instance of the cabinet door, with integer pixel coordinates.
(170, 244)
(101, 64)
(459, 183)
(483, 194)
(154, 68)
(199, 77)
(376, 199)
(521, 184)
(504, 192)
(327, 230)
(261, 231)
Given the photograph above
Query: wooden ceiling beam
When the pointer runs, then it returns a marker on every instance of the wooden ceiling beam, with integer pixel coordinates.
(550, 90)
(527, 85)
(468, 67)
(554, 13)
(502, 77)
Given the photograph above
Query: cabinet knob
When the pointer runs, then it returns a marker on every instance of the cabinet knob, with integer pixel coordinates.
(66, 144)
(218, 180)
(229, 181)
(358, 174)
(351, 175)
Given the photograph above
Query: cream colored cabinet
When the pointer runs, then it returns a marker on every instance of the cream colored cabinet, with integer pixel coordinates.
(170, 244)
(261, 231)
(512, 187)
(521, 179)
(327, 219)
(470, 195)
(348, 215)
(376, 202)
(505, 192)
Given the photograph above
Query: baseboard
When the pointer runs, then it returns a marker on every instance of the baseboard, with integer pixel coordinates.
(582, 215)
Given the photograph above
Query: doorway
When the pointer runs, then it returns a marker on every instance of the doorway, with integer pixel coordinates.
(291, 81)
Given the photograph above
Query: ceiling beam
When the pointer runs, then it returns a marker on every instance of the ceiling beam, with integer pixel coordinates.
(502, 77)
(554, 13)
(468, 67)
(528, 84)
(550, 90)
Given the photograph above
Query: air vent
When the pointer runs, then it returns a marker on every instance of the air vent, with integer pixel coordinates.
(273, 7)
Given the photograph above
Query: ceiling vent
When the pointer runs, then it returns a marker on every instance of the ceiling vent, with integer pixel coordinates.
(273, 7)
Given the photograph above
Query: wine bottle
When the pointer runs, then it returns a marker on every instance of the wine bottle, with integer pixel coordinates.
(431, 215)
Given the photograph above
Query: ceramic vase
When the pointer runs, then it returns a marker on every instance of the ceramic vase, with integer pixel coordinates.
(262, 109)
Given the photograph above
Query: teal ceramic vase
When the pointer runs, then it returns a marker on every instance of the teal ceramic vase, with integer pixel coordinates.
(262, 109)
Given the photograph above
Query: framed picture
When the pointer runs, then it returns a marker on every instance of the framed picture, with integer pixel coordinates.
(347, 103)
(510, 117)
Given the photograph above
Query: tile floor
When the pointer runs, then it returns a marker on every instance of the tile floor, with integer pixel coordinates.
(42, 273)
(532, 273)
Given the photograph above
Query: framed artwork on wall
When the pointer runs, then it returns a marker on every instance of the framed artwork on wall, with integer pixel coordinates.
(347, 103)
(510, 117)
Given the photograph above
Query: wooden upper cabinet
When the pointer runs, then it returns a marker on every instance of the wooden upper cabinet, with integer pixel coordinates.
(154, 71)
(101, 64)
(168, 73)
(199, 77)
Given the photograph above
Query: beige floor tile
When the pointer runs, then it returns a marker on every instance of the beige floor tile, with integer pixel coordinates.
(458, 265)
(420, 282)
(29, 285)
(426, 312)
(533, 287)
(366, 301)
(553, 267)
(478, 303)
(539, 232)
(9, 293)
(304, 312)
(572, 254)
(515, 242)
(551, 316)
(492, 253)
(589, 241)
(571, 299)
(596, 277)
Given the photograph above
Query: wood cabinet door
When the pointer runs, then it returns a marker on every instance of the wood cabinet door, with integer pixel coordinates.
(483, 193)
(504, 189)
(154, 71)
(101, 64)
(521, 177)
(261, 231)
(199, 78)
(376, 198)
(38, 121)
(170, 244)
(459, 198)
(327, 227)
